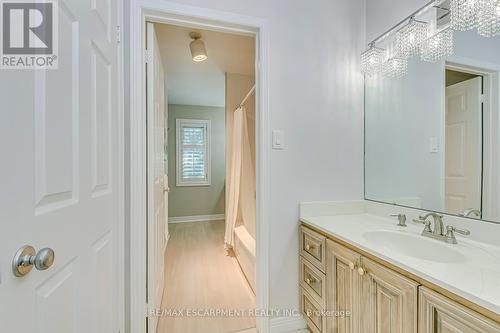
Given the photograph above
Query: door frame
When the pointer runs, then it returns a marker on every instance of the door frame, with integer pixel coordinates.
(203, 18)
(120, 292)
(491, 127)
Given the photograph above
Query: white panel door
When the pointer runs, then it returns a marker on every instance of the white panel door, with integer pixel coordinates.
(60, 149)
(463, 162)
(157, 181)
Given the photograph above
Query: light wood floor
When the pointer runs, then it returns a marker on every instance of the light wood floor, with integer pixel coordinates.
(199, 275)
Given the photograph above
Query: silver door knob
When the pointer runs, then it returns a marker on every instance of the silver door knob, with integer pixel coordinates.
(26, 257)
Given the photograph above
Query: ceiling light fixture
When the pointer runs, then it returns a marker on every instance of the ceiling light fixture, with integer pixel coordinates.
(197, 46)
(371, 60)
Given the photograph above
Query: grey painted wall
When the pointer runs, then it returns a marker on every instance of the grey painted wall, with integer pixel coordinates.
(198, 200)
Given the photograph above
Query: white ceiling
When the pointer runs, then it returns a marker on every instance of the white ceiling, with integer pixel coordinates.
(202, 83)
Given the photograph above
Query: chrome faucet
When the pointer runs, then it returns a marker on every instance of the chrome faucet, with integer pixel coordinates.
(438, 223)
(439, 232)
(470, 212)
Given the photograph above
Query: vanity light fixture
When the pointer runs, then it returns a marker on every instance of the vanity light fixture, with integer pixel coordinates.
(410, 37)
(395, 67)
(464, 14)
(438, 47)
(198, 51)
(488, 21)
(371, 60)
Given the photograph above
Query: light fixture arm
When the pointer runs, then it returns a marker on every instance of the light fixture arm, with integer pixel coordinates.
(407, 19)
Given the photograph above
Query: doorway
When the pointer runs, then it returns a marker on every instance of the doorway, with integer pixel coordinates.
(464, 143)
(209, 116)
(472, 86)
(170, 13)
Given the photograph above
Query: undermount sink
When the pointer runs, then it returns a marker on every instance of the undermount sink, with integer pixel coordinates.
(415, 246)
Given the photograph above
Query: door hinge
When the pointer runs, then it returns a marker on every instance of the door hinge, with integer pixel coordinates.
(483, 98)
(118, 34)
(148, 56)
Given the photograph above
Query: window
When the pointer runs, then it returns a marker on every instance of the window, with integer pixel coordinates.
(193, 152)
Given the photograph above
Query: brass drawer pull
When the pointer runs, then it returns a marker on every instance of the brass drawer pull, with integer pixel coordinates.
(310, 280)
(309, 247)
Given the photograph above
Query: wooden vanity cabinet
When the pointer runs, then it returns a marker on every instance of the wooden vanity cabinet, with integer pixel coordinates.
(356, 294)
(342, 288)
(389, 300)
(439, 314)
(379, 300)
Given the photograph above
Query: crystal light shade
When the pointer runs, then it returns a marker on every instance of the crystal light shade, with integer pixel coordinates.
(395, 67)
(410, 37)
(438, 46)
(464, 14)
(371, 61)
(488, 21)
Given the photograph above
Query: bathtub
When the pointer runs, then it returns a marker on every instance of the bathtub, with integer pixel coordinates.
(244, 249)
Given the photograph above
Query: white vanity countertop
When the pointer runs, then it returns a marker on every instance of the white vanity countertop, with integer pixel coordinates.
(476, 278)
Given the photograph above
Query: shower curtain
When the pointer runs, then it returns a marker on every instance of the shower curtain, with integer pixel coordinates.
(234, 183)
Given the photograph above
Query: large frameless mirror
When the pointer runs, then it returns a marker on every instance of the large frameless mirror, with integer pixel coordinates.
(432, 123)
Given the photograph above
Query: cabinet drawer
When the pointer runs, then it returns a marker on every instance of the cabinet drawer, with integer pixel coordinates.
(313, 312)
(313, 281)
(440, 314)
(312, 247)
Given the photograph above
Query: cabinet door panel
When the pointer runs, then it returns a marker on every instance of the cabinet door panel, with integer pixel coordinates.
(342, 289)
(438, 314)
(388, 301)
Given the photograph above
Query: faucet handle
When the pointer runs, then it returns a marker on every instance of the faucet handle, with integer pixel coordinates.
(450, 236)
(451, 228)
(425, 222)
(401, 219)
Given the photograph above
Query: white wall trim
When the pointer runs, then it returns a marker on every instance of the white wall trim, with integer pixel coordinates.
(195, 218)
(174, 13)
(287, 324)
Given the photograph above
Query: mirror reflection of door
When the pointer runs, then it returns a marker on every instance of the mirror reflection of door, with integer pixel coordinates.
(463, 145)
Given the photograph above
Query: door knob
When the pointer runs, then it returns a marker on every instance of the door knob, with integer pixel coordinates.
(26, 257)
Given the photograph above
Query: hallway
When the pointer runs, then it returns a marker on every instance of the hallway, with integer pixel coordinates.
(199, 276)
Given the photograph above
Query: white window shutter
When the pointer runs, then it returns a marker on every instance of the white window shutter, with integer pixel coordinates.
(193, 152)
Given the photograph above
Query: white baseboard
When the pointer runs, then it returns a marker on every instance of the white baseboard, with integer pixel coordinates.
(287, 325)
(196, 218)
